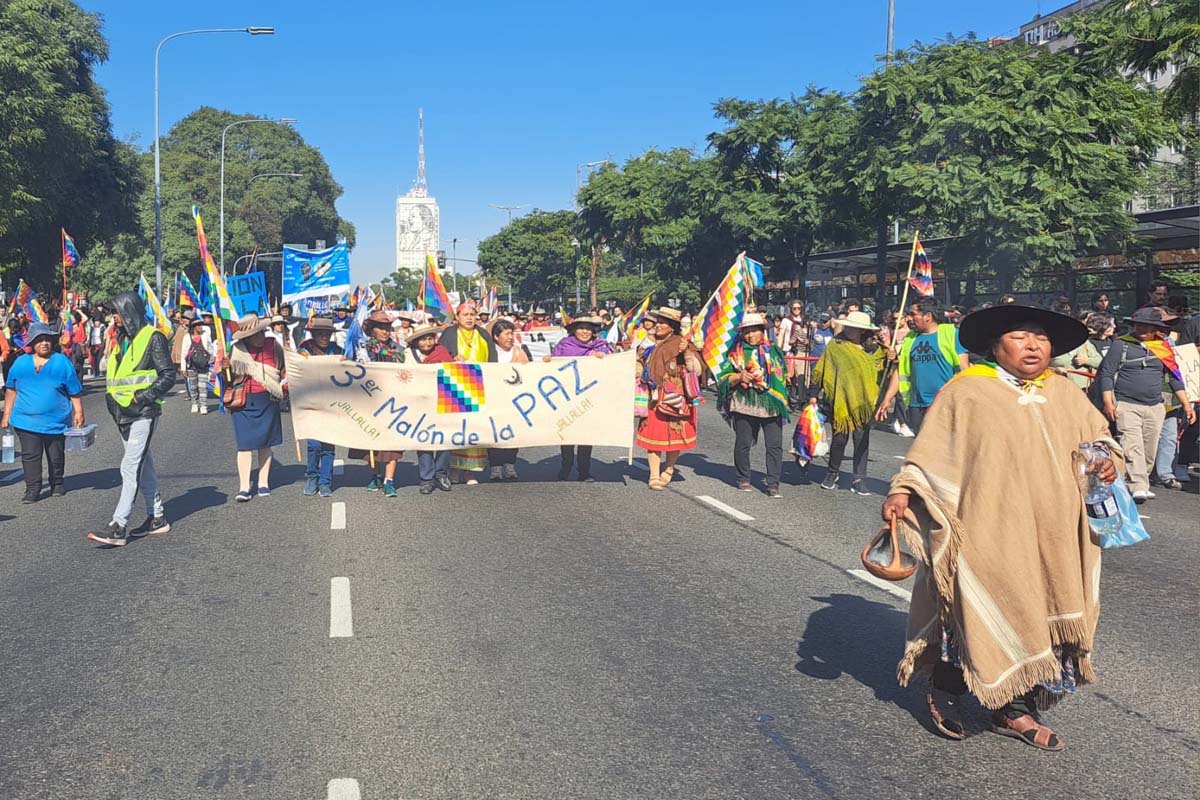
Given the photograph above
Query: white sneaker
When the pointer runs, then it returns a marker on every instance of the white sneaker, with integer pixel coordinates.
(204, 409)
(1141, 497)
(1149, 494)
(195, 408)
(906, 432)
(896, 427)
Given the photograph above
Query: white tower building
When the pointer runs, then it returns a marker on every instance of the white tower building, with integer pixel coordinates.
(418, 227)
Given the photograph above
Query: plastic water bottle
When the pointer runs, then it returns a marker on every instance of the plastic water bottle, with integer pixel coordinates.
(1104, 517)
(8, 446)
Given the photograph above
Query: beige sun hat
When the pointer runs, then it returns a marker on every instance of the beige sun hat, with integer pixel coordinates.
(250, 325)
(422, 332)
(857, 319)
(752, 320)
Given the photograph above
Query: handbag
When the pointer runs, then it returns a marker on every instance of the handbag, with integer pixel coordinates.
(672, 403)
(234, 396)
(691, 386)
(641, 400)
(884, 558)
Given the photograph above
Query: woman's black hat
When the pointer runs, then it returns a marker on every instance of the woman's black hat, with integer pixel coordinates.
(980, 328)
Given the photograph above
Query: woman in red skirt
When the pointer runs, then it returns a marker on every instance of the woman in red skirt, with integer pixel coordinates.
(670, 426)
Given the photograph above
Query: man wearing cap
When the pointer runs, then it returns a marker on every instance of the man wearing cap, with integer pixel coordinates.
(1131, 380)
(752, 397)
(318, 475)
(929, 357)
(140, 373)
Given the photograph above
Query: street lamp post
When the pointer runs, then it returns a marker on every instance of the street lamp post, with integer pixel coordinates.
(281, 121)
(253, 31)
(276, 175)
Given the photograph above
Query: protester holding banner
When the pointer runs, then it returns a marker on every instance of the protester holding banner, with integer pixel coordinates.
(504, 459)
(257, 364)
(670, 426)
(582, 340)
(432, 467)
(318, 473)
(466, 341)
(752, 394)
(379, 348)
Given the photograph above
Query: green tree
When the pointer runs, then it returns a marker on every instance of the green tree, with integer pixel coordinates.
(535, 254)
(1024, 154)
(261, 213)
(59, 163)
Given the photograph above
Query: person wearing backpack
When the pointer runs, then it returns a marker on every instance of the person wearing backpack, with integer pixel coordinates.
(195, 357)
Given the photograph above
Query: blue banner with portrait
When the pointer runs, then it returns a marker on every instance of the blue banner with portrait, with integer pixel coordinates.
(315, 273)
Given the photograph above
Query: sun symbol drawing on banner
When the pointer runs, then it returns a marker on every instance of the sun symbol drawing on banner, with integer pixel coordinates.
(404, 376)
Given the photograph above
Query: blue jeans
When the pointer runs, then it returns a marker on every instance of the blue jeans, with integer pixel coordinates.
(320, 462)
(1168, 447)
(430, 464)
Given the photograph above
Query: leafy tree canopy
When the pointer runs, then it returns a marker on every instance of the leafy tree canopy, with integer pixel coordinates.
(535, 253)
(59, 163)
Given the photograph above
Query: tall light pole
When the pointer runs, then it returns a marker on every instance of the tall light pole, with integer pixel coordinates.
(509, 209)
(579, 168)
(281, 121)
(276, 175)
(253, 31)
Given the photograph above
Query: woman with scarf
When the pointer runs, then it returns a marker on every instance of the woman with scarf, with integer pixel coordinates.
(990, 500)
(581, 341)
(752, 397)
(670, 425)
(504, 459)
(380, 348)
(432, 466)
(466, 340)
(257, 362)
(847, 380)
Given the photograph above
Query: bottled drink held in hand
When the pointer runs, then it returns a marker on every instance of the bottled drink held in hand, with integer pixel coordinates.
(8, 446)
(1103, 516)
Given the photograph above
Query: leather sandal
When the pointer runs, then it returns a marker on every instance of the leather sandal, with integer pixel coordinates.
(656, 484)
(668, 475)
(1029, 730)
(944, 713)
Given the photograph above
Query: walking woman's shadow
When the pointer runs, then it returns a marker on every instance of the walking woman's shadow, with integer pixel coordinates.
(862, 639)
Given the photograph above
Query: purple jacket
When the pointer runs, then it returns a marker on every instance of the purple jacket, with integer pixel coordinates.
(570, 347)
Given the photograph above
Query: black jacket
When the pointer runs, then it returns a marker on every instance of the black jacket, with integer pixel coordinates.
(157, 357)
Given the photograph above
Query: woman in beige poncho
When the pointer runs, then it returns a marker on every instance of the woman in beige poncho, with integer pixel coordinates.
(1007, 594)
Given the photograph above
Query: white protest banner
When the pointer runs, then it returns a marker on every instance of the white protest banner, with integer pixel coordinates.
(540, 341)
(457, 405)
(1189, 365)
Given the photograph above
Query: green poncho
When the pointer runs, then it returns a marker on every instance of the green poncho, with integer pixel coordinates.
(847, 377)
(766, 361)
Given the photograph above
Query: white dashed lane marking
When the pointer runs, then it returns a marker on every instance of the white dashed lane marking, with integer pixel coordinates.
(341, 620)
(890, 588)
(337, 517)
(339, 466)
(343, 789)
(725, 509)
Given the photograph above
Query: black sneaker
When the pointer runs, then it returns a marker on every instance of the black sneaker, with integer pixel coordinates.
(830, 482)
(31, 496)
(442, 482)
(155, 525)
(744, 486)
(857, 488)
(113, 534)
(426, 487)
(58, 490)
(774, 493)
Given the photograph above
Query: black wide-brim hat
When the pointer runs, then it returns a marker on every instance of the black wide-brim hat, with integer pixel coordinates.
(980, 328)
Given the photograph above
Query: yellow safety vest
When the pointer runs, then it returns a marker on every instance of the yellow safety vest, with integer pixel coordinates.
(122, 380)
(945, 340)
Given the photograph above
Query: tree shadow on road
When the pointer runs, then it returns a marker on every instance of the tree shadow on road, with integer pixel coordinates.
(863, 639)
(194, 500)
(96, 479)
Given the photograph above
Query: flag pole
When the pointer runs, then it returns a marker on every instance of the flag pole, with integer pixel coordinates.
(904, 296)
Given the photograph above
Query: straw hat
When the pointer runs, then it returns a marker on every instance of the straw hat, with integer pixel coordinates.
(857, 319)
(595, 322)
(670, 314)
(752, 320)
(321, 324)
(422, 332)
(250, 325)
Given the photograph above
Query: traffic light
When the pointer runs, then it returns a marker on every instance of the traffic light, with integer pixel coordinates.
(441, 260)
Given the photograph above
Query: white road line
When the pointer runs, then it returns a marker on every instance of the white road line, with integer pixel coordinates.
(339, 466)
(341, 622)
(719, 506)
(890, 588)
(337, 517)
(343, 789)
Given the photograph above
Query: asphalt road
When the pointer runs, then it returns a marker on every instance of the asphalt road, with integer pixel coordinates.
(531, 640)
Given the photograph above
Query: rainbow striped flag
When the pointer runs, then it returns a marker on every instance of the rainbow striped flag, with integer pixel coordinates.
(634, 319)
(223, 307)
(714, 330)
(1164, 351)
(23, 295)
(70, 256)
(434, 297)
(187, 293)
(34, 310)
(154, 310)
(921, 278)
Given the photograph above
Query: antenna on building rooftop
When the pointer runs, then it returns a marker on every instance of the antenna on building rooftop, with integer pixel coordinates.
(420, 187)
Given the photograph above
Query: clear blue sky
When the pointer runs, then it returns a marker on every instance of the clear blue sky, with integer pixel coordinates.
(516, 94)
